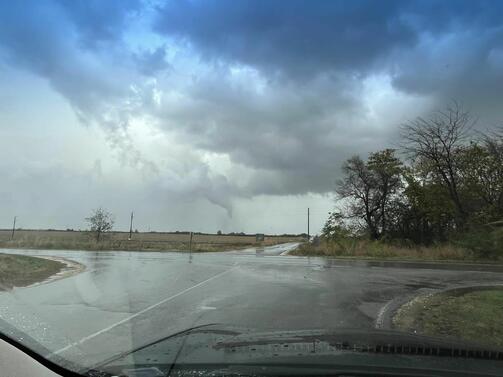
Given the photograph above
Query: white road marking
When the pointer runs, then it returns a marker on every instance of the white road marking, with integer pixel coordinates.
(102, 331)
(207, 308)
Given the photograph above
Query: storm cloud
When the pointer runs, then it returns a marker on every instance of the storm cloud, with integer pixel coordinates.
(298, 39)
(232, 100)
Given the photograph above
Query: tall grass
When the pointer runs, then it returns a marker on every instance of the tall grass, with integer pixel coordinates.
(362, 248)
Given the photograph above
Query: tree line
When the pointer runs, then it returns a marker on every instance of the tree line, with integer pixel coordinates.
(445, 180)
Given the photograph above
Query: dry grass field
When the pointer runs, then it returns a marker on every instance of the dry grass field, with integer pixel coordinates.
(160, 241)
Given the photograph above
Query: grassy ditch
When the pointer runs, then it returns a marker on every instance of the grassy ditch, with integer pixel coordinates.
(365, 249)
(22, 270)
(475, 316)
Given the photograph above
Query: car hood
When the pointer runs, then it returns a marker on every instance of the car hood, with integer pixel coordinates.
(215, 346)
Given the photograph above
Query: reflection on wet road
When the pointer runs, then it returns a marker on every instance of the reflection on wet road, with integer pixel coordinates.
(126, 299)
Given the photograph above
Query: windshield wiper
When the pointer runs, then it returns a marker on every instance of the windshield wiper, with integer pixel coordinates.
(352, 340)
(368, 341)
(96, 369)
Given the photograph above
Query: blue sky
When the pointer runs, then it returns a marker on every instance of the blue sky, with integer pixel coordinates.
(232, 115)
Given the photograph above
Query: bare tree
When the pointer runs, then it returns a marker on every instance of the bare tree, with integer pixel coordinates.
(100, 221)
(436, 142)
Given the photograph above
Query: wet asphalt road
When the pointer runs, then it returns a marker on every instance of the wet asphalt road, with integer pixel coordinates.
(126, 299)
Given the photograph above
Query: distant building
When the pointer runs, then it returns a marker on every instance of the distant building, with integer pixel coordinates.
(259, 237)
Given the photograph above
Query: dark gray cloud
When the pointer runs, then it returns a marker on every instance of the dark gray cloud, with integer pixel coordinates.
(78, 48)
(281, 88)
(308, 37)
(447, 48)
(42, 39)
(99, 21)
(441, 50)
(467, 66)
(294, 139)
(151, 62)
(298, 38)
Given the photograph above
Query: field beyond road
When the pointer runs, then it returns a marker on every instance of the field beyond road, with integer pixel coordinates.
(22, 270)
(151, 241)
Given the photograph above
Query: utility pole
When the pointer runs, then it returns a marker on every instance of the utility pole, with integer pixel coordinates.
(131, 227)
(190, 247)
(308, 223)
(13, 228)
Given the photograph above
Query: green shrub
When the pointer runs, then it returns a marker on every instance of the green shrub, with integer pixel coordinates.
(484, 243)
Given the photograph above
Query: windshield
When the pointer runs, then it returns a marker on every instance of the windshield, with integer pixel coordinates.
(263, 167)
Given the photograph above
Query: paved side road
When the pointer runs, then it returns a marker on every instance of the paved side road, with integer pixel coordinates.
(126, 299)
